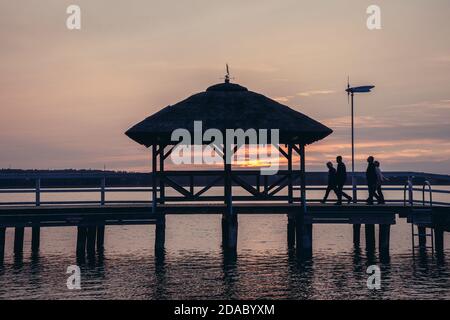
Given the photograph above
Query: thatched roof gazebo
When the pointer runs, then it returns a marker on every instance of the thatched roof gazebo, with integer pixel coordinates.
(229, 106)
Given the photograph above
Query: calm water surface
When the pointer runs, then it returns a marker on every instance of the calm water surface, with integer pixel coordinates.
(194, 266)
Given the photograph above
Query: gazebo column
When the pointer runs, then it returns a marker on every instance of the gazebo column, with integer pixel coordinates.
(303, 227)
(291, 215)
(160, 229)
(229, 218)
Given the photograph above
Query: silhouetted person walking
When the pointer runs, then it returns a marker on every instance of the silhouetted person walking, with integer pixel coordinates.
(380, 179)
(371, 177)
(341, 179)
(331, 182)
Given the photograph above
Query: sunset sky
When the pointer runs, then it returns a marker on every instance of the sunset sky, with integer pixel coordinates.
(67, 97)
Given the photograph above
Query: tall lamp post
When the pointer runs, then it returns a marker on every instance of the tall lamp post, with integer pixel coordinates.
(351, 93)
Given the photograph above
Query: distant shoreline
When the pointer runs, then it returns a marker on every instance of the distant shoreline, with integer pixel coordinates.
(16, 178)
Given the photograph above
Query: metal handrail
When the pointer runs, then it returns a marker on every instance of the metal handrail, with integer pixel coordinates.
(430, 190)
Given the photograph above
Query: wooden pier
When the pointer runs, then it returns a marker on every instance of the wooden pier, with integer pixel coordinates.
(91, 220)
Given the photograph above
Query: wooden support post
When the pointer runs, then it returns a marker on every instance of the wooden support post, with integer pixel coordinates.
(38, 192)
(232, 232)
(356, 235)
(290, 184)
(100, 238)
(160, 228)
(303, 233)
(91, 238)
(224, 231)
(2, 243)
(81, 241)
(161, 173)
(230, 220)
(35, 238)
(439, 240)
(370, 237)
(384, 239)
(302, 229)
(18, 240)
(160, 233)
(154, 179)
(291, 215)
(291, 230)
(303, 177)
(422, 231)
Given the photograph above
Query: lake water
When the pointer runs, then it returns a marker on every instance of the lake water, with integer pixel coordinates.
(194, 266)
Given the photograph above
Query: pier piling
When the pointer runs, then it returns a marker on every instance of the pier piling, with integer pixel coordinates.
(303, 237)
(291, 231)
(356, 235)
(18, 240)
(2, 242)
(422, 231)
(439, 240)
(35, 239)
(370, 237)
(160, 233)
(229, 232)
(81, 241)
(100, 238)
(384, 239)
(91, 238)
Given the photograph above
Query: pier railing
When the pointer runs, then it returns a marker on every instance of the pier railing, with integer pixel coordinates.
(260, 189)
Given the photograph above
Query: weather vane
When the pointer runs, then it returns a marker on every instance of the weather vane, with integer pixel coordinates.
(227, 76)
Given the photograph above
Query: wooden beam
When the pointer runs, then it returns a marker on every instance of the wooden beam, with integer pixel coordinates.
(276, 183)
(178, 187)
(286, 155)
(245, 185)
(207, 187)
(169, 152)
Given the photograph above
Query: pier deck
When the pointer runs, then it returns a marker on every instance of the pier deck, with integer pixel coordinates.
(74, 215)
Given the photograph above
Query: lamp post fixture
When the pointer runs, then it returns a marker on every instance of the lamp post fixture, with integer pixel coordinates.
(351, 93)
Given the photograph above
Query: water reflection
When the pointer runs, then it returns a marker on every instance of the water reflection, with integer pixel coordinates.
(193, 266)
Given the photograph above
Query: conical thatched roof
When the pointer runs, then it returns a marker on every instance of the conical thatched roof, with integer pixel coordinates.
(228, 106)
